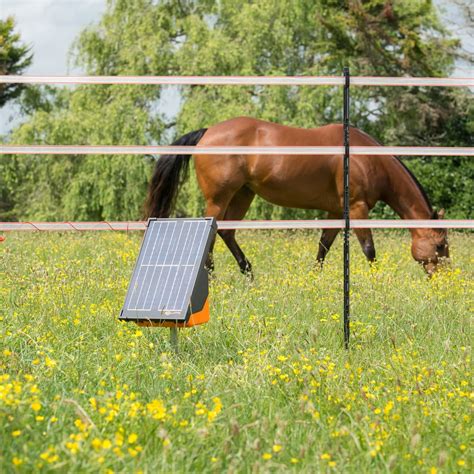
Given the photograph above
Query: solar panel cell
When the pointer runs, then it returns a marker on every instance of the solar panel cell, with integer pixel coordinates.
(170, 261)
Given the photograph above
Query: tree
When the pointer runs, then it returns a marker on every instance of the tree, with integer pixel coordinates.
(235, 37)
(15, 57)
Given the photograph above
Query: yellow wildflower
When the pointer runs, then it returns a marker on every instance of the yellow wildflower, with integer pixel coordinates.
(106, 444)
(96, 443)
(49, 362)
(80, 424)
(73, 446)
(388, 408)
(156, 409)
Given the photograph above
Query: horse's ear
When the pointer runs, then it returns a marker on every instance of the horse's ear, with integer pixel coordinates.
(434, 215)
(441, 214)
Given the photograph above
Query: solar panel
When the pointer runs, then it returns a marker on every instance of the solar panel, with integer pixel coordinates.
(169, 282)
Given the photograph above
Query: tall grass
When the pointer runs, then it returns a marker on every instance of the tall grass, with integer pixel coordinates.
(265, 386)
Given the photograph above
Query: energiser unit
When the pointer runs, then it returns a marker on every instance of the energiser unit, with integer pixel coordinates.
(169, 285)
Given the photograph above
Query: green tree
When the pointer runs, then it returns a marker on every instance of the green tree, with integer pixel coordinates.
(15, 57)
(240, 37)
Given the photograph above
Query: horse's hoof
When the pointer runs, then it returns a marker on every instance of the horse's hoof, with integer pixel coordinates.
(374, 265)
(248, 273)
(249, 276)
(210, 272)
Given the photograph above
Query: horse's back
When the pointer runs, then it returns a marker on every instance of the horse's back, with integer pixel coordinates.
(263, 133)
(312, 182)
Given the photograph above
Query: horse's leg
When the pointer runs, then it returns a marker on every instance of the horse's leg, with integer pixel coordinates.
(222, 184)
(327, 238)
(236, 210)
(360, 210)
(217, 210)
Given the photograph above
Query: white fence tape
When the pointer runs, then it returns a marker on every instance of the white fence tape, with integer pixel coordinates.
(245, 225)
(243, 80)
(231, 150)
(413, 81)
(355, 224)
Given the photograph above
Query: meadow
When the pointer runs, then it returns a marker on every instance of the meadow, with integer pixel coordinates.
(265, 386)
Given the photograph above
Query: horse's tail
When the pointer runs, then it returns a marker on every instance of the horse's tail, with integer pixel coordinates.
(170, 172)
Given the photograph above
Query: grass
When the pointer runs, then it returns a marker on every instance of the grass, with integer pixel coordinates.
(265, 386)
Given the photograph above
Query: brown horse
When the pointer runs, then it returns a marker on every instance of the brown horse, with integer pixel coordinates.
(230, 182)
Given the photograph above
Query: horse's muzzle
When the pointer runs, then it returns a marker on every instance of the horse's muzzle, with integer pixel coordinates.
(432, 267)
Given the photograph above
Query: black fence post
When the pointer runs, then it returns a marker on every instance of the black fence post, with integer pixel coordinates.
(346, 210)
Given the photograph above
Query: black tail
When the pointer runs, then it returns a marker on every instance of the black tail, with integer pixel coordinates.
(170, 172)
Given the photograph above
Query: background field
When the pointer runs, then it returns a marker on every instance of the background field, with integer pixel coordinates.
(265, 386)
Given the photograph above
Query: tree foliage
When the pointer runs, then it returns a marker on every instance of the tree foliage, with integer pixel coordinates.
(240, 37)
(15, 57)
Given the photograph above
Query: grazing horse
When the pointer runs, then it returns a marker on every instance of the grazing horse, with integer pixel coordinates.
(230, 182)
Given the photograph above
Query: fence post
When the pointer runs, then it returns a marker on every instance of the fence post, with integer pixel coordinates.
(346, 210)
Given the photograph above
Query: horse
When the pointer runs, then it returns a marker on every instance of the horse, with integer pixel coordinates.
(229, 183)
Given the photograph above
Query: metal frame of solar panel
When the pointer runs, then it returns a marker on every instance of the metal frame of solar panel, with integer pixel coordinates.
(169, 282)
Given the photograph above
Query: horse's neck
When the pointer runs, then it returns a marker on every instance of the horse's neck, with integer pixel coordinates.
(403, 194)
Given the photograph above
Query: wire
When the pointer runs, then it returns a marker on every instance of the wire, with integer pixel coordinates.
(247, 225)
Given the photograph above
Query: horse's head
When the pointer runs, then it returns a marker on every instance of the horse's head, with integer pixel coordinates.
(430, 246)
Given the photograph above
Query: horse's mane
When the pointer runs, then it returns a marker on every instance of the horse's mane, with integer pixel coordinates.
(418, 184)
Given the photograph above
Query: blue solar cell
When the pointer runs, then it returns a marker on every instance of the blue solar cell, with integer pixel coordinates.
(172, 253)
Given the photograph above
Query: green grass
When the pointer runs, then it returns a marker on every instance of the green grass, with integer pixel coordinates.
(265, 386)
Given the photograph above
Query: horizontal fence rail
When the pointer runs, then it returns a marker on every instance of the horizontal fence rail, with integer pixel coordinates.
(232, 150)
(245, 225)
(244, 80)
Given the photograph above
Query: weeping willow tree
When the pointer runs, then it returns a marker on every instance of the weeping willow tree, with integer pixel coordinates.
(238, 37)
